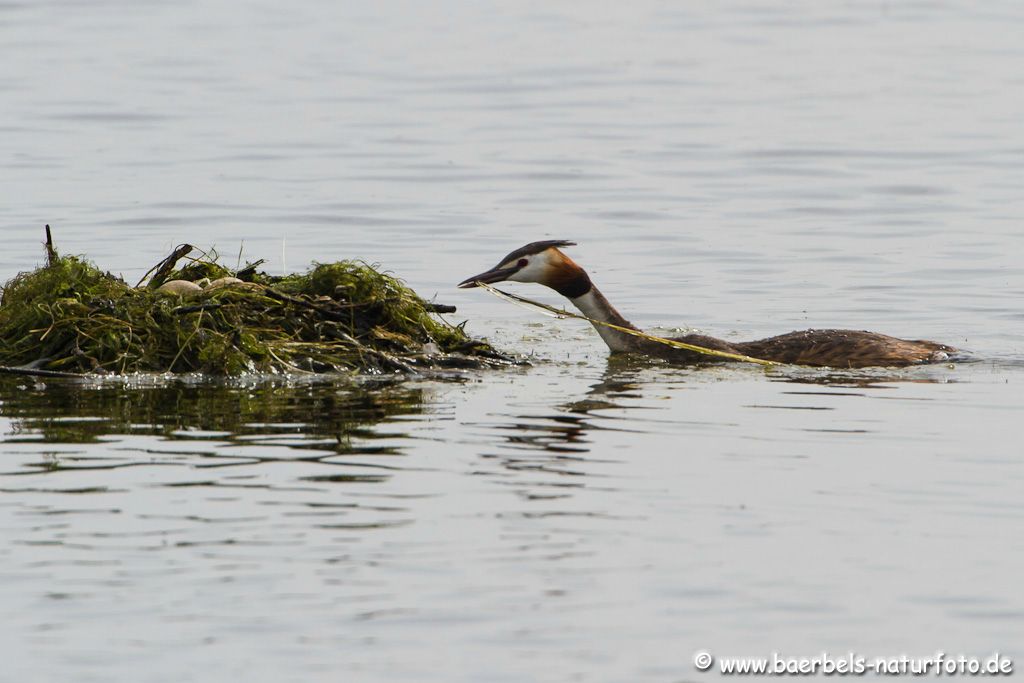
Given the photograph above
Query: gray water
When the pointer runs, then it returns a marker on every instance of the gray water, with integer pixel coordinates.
(739, 168)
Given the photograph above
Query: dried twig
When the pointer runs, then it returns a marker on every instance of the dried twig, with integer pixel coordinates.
(161, 270)
(36, 372)
(51, 253)
(182, 310)
(250, 270)
(322, 310)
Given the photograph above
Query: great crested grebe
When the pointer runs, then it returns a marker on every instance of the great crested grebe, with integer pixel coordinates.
(544, 263)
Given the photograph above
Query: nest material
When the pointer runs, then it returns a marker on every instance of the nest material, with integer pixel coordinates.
(71, 316)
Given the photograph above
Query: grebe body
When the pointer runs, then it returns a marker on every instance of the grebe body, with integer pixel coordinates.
(544, 263)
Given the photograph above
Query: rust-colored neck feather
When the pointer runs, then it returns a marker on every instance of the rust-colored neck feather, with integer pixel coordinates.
(567, 278)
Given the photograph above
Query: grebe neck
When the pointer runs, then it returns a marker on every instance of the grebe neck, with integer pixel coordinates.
(594, 305)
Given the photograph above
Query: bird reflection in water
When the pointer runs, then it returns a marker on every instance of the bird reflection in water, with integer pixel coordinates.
(559, 443)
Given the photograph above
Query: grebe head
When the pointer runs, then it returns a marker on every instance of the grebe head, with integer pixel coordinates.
(540, 262)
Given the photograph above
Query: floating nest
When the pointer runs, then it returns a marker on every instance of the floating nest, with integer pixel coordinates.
(201, 317)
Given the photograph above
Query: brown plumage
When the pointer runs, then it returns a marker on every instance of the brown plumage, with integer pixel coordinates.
(542, 262)
(831, 348)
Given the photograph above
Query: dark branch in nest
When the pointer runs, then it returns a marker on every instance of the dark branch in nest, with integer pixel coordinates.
(249, 271)
(51, 253)
(164, 268)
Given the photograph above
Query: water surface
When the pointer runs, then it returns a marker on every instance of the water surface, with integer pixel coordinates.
(738, 168)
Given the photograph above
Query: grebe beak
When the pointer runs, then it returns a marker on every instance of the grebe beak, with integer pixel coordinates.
(490, 277)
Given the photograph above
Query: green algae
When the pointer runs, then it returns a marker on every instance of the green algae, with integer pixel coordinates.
(345, 316)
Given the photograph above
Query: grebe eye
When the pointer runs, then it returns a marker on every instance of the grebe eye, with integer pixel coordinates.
(522, 263)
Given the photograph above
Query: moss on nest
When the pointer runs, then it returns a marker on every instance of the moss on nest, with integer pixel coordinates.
(71, 316)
